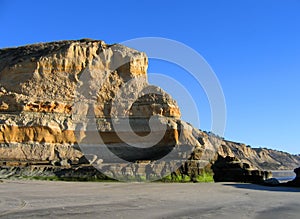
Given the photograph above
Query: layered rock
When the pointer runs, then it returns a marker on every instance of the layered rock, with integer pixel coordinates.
(262, 158)
(58, 99)
(231, 169)
(74, 108)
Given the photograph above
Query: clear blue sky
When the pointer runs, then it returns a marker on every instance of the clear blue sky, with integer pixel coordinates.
(252, 45)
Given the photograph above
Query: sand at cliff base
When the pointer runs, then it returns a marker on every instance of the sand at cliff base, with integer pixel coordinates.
(45, 199)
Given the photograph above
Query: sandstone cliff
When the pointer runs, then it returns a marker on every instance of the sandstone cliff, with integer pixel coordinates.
(64, 105)
(50, 93)
(263, 158)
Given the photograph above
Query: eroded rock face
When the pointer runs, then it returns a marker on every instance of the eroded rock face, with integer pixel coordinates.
(59, 100)
(48, 92)
(262, 158)
(231, 169)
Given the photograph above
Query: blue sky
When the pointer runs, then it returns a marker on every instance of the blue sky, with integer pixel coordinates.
(252, 46)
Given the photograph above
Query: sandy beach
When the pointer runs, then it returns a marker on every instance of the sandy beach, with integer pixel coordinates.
(46, 199)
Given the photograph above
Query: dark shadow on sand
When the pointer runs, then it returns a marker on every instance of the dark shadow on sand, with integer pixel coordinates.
(263, 188)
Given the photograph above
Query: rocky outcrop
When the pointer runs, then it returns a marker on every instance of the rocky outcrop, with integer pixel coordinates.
(262, 158)
(231, 169)
(71, 108)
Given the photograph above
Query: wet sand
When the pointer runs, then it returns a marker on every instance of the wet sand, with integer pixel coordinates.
(44, 199)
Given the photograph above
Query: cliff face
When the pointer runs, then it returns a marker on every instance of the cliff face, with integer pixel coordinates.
(67, 102)
(262, 158)
(50, 92)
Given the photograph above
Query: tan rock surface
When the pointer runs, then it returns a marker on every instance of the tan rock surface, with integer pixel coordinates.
(43, 87)
(49, 93)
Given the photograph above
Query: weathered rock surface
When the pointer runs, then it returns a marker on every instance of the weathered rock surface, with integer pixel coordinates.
(49, 91)
(266, 159)
(58, 99)
(231, 169)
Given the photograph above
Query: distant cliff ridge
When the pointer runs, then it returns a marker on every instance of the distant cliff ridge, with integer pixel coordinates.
(50, 93)
(263, 158)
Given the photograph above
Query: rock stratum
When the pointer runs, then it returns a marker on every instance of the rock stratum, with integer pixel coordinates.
(83, 108)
